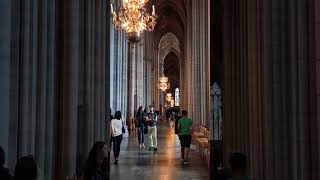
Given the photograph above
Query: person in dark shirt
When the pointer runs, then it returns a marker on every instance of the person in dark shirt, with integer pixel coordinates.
(26, 168)
(4, 172)
(238, 164)
(140, 122)
(151, 119)
(96, 164)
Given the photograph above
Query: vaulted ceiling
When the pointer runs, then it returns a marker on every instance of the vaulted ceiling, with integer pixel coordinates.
(172, 70)
(172, 17)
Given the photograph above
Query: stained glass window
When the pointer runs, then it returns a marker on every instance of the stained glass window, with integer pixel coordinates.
(177, 97)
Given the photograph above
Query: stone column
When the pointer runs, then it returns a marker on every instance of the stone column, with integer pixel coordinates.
(8, 92)
(49, 141)
(113, 58)
(97, 69)
(42, 84)
(316, 65)
(200, 58)
(157, 73)
(139, 75)
(124, 79)
(131, 80)
(88, 56)
(187, 93)
(103, 37)
(70, 87)
(119, 62)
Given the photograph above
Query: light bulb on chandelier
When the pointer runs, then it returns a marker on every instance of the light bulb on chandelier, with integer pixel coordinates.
(133, 18)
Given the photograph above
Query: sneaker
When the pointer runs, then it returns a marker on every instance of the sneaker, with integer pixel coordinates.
(185, 162)
(116, 161)
(140, 146)
(143, 146)
(155, 149)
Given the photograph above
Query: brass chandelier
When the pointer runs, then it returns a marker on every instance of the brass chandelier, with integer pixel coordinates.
(133, 18)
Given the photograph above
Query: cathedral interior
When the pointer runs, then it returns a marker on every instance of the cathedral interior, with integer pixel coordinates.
(247, 72)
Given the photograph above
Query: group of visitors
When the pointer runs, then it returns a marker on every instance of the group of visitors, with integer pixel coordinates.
(146, 124)
(97, 162)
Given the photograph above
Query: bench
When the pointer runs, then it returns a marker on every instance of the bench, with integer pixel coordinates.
(201, 140)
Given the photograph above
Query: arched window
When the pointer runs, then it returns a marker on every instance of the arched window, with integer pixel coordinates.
(177, 97)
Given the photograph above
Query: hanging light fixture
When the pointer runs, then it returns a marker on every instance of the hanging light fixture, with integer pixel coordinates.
(172, 103)
(133, 18)
(163, 83)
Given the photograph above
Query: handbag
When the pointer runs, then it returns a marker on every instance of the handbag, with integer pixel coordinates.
(123, 129)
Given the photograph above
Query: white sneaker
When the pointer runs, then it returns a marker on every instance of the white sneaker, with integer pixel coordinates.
(143, 146)
(140, 146)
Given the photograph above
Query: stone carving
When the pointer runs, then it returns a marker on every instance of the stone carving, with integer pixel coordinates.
(215, 94)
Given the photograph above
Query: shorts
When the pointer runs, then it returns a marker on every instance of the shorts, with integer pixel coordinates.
(185, 140)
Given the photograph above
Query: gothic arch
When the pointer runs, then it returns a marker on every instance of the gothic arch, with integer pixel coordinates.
(168, 43)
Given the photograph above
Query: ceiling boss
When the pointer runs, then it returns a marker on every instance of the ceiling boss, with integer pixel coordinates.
(133, 18)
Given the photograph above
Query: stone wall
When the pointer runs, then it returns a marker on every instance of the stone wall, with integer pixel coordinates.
(53, 75)
(269, 96)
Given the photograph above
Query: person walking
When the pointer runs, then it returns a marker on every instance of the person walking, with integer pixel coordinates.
(140, 122)
(184, 130)
(151, 119)
(117, 129)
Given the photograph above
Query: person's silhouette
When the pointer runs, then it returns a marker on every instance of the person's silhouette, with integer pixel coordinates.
(238, 164)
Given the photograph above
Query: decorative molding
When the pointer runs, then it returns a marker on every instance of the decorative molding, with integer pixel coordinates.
(169, 43)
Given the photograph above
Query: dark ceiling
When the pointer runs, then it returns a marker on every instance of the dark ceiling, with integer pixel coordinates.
(172, 70)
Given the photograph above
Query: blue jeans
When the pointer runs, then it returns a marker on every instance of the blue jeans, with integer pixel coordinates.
(141, 134)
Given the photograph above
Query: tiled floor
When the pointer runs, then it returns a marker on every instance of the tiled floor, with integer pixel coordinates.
(165, 164)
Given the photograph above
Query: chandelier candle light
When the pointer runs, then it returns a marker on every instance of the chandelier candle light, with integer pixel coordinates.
(163, 83)
(133, 18)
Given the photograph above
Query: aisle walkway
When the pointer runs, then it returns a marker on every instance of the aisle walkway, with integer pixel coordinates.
(165, 164)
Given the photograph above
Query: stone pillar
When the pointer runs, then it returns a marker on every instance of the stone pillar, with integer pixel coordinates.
(49, 124)
(268, 92)
(70, 87)
(88, 56)
(187, 93)
(104, 70)
(124, 79)
(42, 83)
(131, 80)
(113, 59)
(316, 65)
(97, 69)
(200, 62)
(9, 61)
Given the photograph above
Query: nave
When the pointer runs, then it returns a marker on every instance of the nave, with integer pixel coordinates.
(165, 164)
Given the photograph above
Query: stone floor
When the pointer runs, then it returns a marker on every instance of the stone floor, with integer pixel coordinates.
(165, 164)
